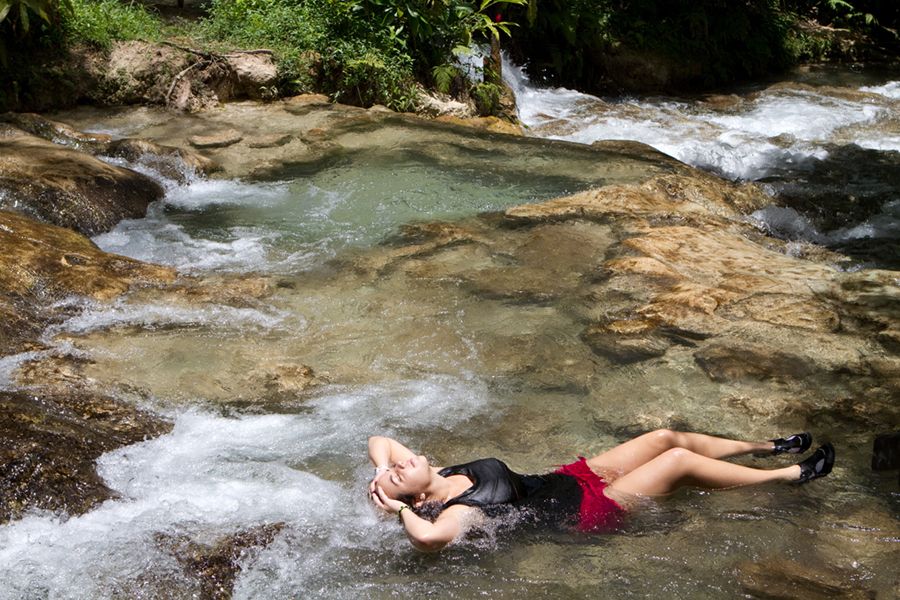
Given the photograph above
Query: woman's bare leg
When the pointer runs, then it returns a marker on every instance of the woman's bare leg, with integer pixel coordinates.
(644, 448)
(679, 467)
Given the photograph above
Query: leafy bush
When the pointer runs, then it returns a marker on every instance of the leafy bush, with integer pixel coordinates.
(320, 45)
(359, 51)
(724, 41)
(101, 22)
(17, 18)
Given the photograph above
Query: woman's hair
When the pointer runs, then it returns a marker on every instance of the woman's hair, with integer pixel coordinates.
(428, 510)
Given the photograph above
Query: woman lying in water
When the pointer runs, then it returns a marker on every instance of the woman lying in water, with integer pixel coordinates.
(589, 494)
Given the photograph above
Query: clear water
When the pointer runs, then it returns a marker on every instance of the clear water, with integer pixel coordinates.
(432, 353)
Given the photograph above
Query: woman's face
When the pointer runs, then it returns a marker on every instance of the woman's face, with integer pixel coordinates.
(407, 478)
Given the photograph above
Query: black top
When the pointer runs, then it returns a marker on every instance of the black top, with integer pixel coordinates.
(495, 487)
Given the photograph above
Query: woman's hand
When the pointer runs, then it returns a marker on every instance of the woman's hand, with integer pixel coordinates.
(386, 503)
(379, 471)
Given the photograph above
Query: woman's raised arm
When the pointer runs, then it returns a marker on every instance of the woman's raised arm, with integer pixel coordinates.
(384, 452)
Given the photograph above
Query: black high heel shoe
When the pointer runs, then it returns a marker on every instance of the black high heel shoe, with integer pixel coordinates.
(793, 444)
(818, 464)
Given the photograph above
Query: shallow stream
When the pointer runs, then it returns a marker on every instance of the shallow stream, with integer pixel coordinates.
(455, 374)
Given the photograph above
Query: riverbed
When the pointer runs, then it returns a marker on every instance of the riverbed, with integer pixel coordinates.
(462, 351)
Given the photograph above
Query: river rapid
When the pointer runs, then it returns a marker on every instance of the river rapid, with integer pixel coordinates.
(456, 375)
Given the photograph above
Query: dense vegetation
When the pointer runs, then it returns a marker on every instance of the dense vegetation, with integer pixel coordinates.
(700, 43)
(379, 51)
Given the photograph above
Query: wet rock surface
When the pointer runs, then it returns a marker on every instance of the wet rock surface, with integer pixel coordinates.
(51, 433)
(780, 579)
(66, 187)
(49, 442)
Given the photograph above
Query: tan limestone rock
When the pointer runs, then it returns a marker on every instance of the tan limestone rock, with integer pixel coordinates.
(222, 139)
(55, 262)
(491, 124)
(68, 188)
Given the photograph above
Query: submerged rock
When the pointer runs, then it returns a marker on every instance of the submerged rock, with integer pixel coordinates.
(222, 139)
(215, 566)
(778, 578)
(66, 187)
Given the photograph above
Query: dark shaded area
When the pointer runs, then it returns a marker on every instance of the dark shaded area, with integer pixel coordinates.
(613, 46)
(886, 452)
(852, 187)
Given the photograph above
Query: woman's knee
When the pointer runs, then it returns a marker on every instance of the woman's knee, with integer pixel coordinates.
(677, 455)
(664, 438)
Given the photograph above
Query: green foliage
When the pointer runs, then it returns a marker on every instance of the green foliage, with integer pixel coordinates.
(16, 21)
(19, 10)
(430, 30)
(359, 51)
(487, 98)
(444, 76)
(101, 22)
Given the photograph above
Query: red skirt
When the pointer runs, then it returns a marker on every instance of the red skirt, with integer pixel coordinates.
(597, 512)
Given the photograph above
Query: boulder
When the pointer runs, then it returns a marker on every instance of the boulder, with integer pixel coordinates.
(255, 75)
(215, 566)
(66, 187)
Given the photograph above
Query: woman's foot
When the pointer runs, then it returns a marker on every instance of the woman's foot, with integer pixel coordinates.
(818, 464)
(794, 444)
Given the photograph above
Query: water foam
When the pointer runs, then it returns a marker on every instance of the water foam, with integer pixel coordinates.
(888, 90)
(156, 239)
(213, 476)
(10, 363)
(94, 316)
(757, 137)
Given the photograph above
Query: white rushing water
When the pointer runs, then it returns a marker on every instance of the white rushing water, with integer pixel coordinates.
(746, 139)
(212, 476)
(781, 133)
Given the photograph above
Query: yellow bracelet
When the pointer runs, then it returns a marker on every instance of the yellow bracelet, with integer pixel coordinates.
(400, 513)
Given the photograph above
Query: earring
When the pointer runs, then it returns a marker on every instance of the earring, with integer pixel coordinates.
(422, 496)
